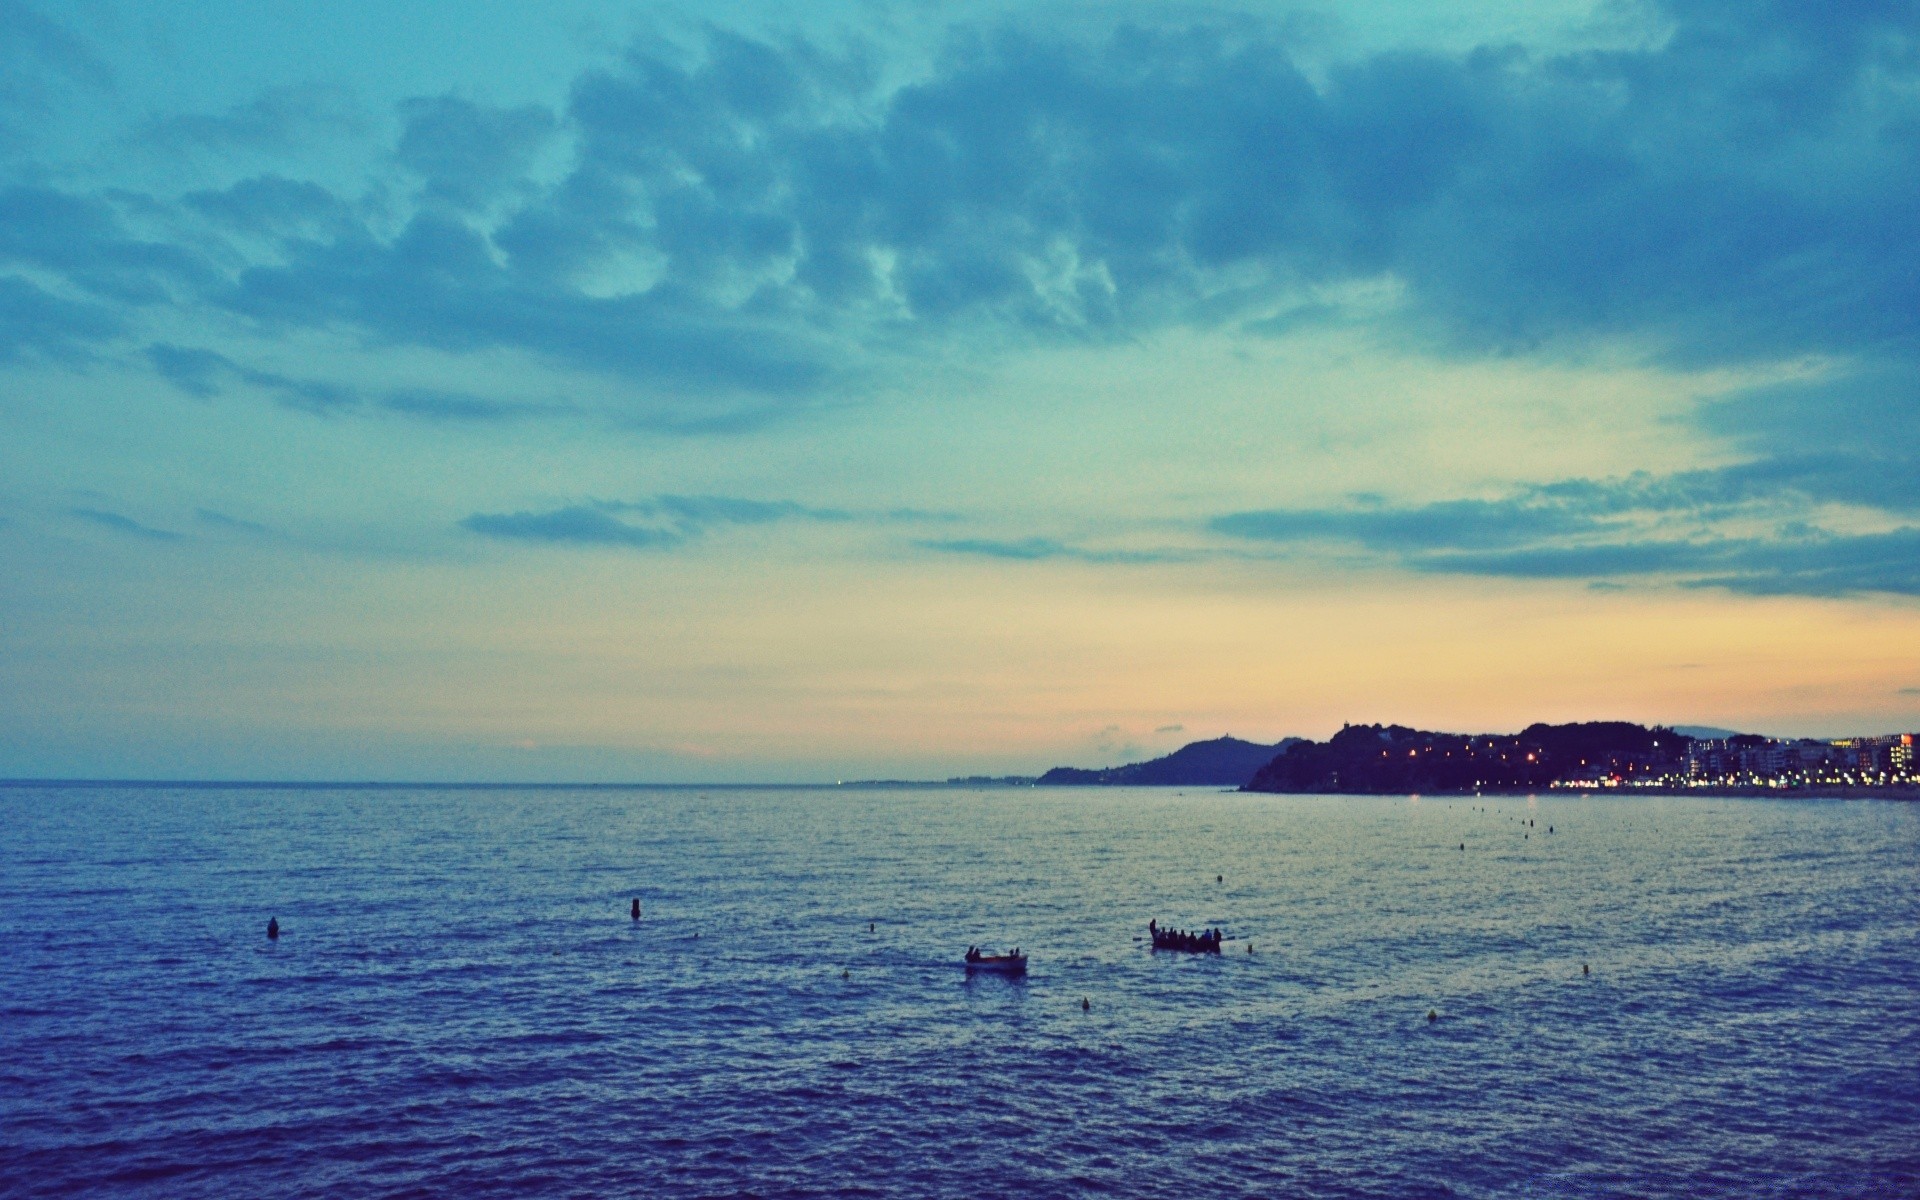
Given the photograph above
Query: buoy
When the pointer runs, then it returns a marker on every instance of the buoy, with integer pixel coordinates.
(1432, 1016)
(636, 908)
(1085, 1004)
(846, 974)
(273, 929)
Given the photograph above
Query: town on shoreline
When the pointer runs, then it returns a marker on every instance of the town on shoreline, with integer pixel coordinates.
(1580, 757)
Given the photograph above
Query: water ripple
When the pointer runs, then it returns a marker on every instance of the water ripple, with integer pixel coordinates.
(459, 1004)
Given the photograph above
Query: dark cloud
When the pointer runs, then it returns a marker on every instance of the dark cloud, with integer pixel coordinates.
(123, 524)
(1071, 188)
(438, 284)
(736, 226)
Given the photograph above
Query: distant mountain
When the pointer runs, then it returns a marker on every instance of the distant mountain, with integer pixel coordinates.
(1707, 733)
(1222, 762)
(1393, 759)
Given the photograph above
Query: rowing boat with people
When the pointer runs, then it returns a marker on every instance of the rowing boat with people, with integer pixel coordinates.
(1207, 941)
(1014, 963)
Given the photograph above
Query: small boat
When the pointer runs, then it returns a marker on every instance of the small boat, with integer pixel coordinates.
(1003, 964)
(1205, 942)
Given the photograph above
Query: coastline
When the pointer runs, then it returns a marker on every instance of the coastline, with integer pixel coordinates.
(1910, 793)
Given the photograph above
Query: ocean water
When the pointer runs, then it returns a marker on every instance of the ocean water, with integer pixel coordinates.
(459, 1004)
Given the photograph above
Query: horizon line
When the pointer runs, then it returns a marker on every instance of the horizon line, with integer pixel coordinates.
(400, 784)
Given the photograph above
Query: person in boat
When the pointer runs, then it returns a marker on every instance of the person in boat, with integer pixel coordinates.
(973, 954)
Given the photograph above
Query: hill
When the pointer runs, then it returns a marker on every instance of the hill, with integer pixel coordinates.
(1395, 759)
(1222, 762)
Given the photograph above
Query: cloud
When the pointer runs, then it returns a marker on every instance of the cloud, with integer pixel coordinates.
(1826, 566)
(739, 226)
(1028, 549)
(1171, 729)
(455, 406)
(273, 205)
(438, 284)
(656, 523)
(84, 242)
(725, 510)
(1849, 436)
(205, 373)
(1450, 523)
(1035, 549)
(468, 154)
(220, 520)
(32, 321)
(576, 524)
(41, 63)
(278, 119)
(122, 524)
(1692, 528)
(194, 371)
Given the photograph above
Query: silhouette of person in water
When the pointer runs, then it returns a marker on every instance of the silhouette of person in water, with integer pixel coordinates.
(636, 908)
(273, 929)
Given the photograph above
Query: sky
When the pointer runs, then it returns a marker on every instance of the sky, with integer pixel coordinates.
(776, 392)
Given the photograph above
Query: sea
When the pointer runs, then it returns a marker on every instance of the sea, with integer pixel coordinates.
(1551, 996)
